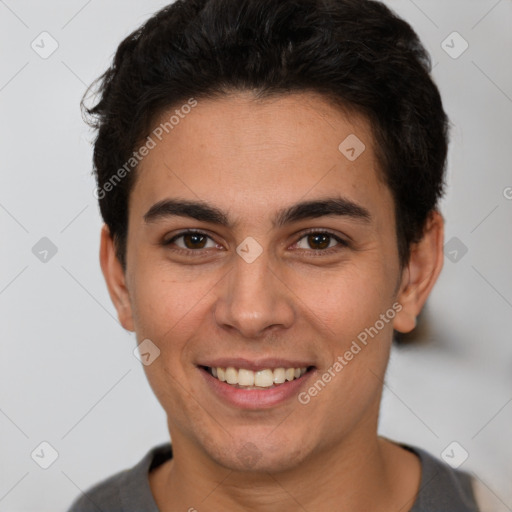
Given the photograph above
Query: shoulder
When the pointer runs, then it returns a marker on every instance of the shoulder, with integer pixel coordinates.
(125, 489)
(442, 486)
(487, 500)
(103, 494)
(446, 488)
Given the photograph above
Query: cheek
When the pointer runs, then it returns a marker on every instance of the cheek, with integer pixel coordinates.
(348, 299)
(347, 307)
(168, 309)
(356, 342)
(166, 302)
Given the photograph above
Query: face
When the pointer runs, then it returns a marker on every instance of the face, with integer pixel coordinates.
(292, 263)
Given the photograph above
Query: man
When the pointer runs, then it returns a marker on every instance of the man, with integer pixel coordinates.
(269, 175)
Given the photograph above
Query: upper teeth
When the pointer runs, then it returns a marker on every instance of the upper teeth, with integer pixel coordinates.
(262, 378)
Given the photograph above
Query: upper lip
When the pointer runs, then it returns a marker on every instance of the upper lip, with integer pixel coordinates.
(255, 364)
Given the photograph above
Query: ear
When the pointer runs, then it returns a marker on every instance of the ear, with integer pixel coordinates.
(418, 278)
(116, 279)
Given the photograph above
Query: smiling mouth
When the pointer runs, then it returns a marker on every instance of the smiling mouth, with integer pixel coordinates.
(262, 379)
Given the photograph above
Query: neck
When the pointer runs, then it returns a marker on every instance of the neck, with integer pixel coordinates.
(361, 473)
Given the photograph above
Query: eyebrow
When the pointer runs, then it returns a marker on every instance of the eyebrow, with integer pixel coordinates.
(204, 212)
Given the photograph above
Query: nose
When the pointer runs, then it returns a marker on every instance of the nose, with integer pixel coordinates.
(253, 299)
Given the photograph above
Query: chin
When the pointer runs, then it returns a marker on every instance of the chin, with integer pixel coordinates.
(253, 454)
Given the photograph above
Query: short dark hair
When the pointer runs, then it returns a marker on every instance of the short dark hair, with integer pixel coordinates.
(356, 53)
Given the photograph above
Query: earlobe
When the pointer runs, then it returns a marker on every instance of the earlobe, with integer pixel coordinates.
(420, 275)
(115, 279)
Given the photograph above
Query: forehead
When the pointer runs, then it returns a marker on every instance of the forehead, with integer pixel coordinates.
(249, 155)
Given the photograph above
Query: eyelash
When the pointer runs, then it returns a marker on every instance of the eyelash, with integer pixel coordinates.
(316, 252)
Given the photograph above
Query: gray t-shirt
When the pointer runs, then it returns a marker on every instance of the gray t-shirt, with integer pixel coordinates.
(442, 489)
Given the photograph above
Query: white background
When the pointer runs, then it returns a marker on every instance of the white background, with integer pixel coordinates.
(68, 374)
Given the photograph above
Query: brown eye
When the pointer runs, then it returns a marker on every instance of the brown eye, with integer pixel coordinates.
(191, 240)
(194, 241)
(320, 241)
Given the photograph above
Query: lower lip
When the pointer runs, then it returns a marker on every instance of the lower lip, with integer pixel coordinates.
(255, 398)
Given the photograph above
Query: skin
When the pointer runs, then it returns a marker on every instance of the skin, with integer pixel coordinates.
(251, 158)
